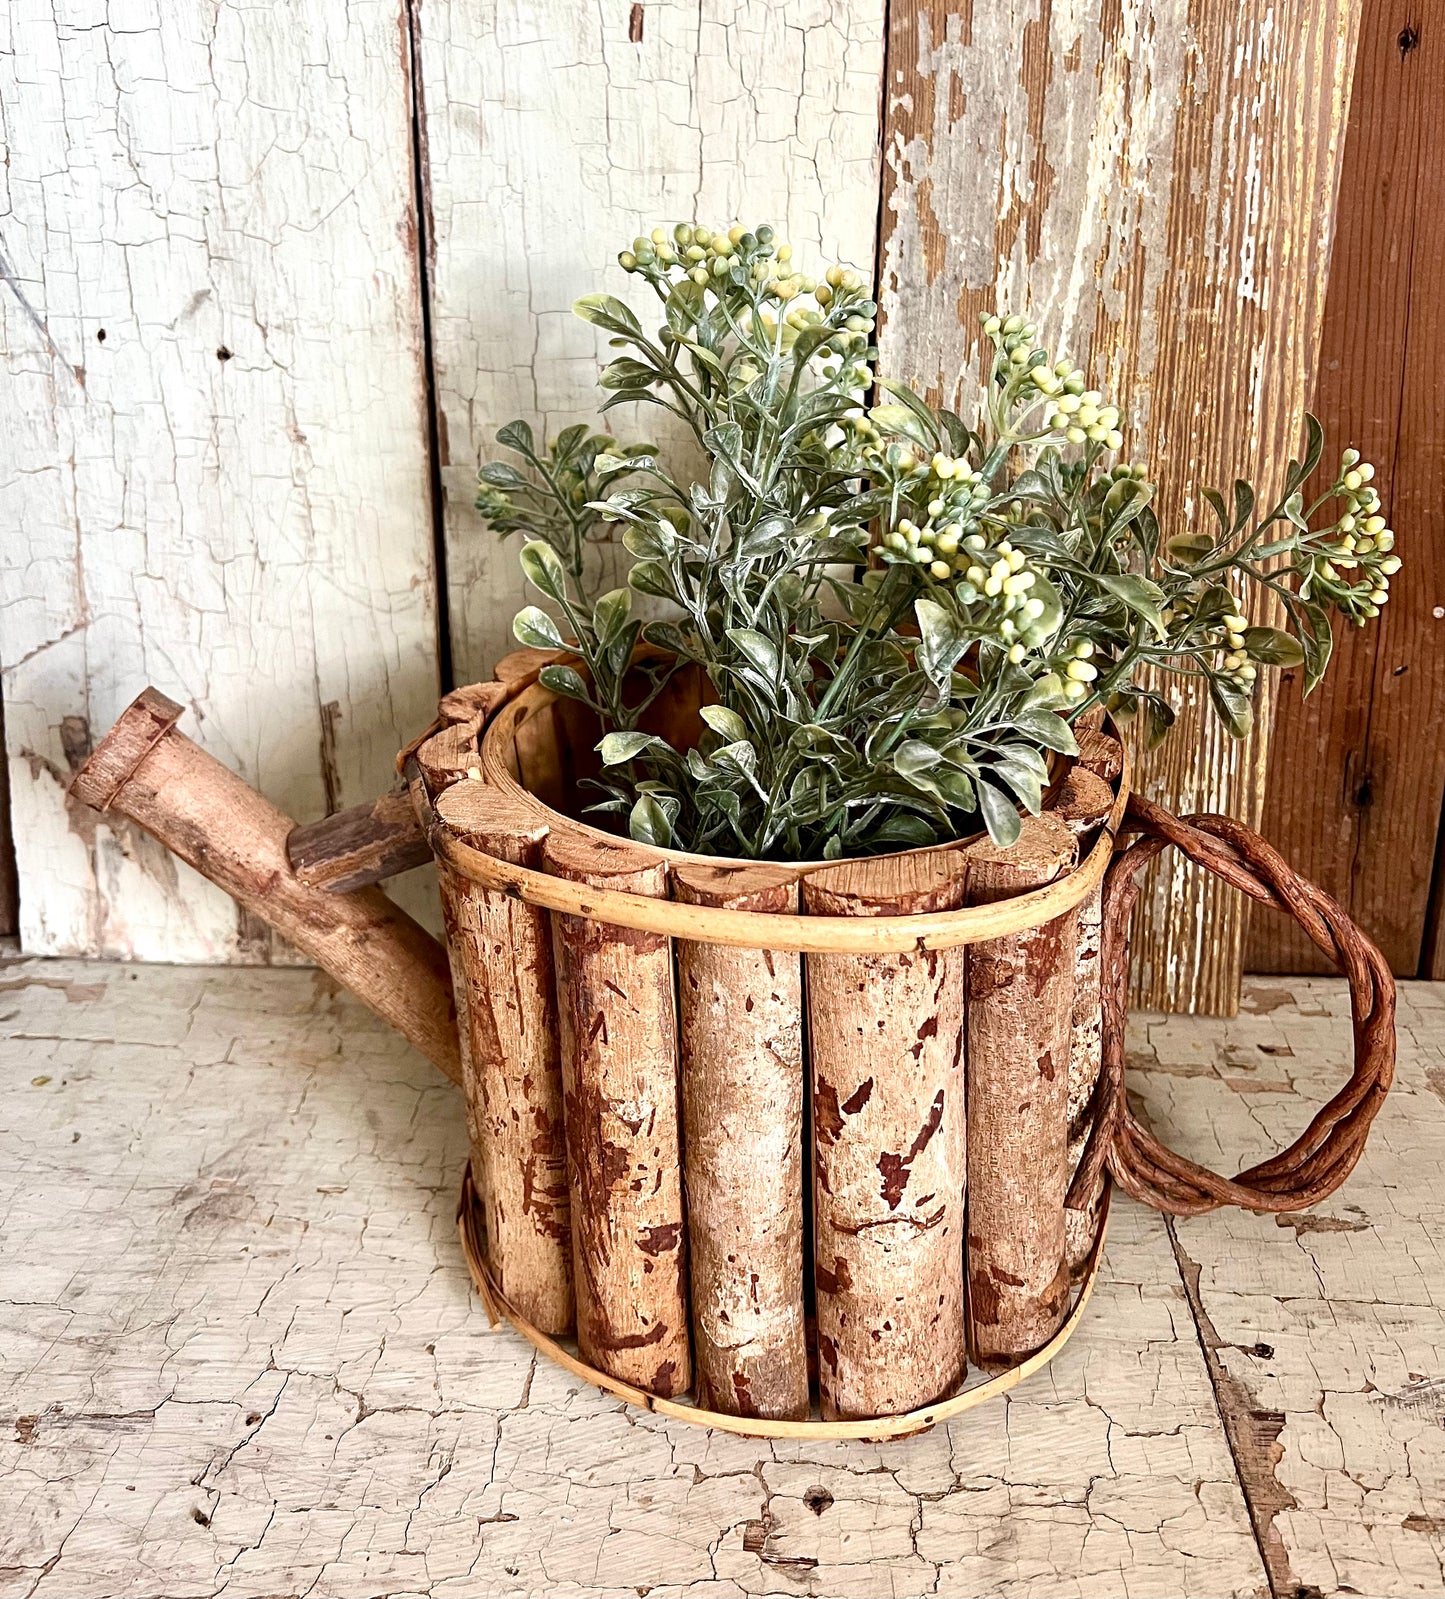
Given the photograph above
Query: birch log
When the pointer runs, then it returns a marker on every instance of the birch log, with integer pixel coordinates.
(502, 963)
(885, 1035)
(618, 1027)
(553, 133)
(1082, 804)
(1154, 184)
(1020, 1005)
(216, 472)
(741, 1034)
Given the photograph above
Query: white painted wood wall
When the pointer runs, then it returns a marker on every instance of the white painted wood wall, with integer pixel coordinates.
(252, 531)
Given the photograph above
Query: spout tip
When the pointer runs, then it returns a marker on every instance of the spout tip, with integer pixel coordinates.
(113, 762)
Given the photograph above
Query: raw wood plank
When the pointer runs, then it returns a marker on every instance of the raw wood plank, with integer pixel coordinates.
(215, 439)
(502, 971)
(1154, 185)
(359, 846)
(740, 1029)
(555, 132)
(618, 1018)
(1355, 792)
(142, 1350)
(885, 1036)
(1020, 1011)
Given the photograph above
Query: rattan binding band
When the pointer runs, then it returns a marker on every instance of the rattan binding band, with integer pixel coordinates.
(876, 1429)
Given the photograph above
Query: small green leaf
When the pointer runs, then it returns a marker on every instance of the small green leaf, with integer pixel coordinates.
(1158, 719)
(1000, 815)
(648, 823)
(900, 419)
(651, 577)
(606, 311)
(941, 642)
(533, 627)
(517, 436)
(609, 616)
(1188, 549)
(758, 649)
(618, 748)
(1270, 646)
(1144, 598)
(543, 569)
(1232, 707)
(498, 475)
(626, 374)
(1045, 729)
(564, 681)
(725, 723)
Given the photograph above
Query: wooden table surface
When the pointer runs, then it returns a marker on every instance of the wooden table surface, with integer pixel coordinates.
(239, 1353)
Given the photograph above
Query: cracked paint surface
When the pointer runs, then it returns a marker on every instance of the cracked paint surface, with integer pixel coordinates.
(1330, 1324)
(552, 136)
(214, 472)
(239, 1353)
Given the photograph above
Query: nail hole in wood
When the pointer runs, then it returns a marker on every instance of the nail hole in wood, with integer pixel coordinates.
(1409, 38)
(223, 354)
(100, 335)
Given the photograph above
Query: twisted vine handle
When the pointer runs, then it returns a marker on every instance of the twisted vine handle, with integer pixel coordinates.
(1323, 1155)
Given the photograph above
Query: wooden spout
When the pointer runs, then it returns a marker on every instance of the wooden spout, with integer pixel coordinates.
(148, 771)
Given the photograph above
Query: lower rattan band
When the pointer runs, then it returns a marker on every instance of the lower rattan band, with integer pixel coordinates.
(876, 1429)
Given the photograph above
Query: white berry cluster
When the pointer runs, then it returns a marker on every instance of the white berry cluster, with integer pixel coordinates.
(1224, 637)
(1360, 542)
(947, 542)
(1077, 413)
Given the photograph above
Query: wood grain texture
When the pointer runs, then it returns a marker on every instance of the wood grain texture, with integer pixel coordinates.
(173, 791)
(502, 973)
(553, 133)
(886, 1043)
(1154, 185)
(215, 447)
(1355, 791)
(740, 1031)
(1020, 1014)
(618, 1022)
(364, 844)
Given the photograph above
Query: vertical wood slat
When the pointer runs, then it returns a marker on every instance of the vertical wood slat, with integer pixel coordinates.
(214, 424)
(1155, 186)
(502, 964)
(1020, 1010)
(1354, 800)
(1082, 805)
(740, 1029)
(886, 1044)
(618, 1024)
(554, 132)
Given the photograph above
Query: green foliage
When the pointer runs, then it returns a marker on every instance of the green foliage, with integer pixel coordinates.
(899, 613)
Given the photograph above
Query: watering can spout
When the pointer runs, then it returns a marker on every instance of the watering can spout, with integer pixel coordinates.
(147, 770)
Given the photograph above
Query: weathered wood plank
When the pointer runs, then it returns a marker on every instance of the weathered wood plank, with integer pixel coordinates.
(553, 133)
(241, 1350)
(1326, 1330)
(1154, 185)
(1363, 824)
(215, 446)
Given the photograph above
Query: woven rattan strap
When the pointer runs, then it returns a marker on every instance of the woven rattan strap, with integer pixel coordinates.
(1325, 1153)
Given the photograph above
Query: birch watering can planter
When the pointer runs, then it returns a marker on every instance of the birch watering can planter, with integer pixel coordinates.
(827, 1147)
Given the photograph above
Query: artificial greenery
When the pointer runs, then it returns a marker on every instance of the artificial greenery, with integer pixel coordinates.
(899, 613)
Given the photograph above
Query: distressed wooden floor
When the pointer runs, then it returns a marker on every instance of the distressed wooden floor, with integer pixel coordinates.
(239, 1354)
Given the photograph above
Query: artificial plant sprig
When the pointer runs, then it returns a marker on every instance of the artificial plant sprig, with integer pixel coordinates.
(898, 612)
